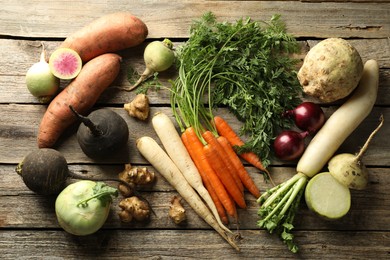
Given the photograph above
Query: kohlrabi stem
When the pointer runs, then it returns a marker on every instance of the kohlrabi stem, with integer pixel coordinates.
(103, 191)
(88, 123)
(365, 146)
(81, 177)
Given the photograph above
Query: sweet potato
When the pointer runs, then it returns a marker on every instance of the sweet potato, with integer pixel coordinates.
(82, 93)
(109, 33)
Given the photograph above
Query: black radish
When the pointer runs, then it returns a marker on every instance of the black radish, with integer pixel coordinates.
(102, 133)
(45, 171)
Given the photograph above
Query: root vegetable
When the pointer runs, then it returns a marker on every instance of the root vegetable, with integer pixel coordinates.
(326, 197)
(139, 107)
(40, 80)
(158, 57)
(331, 70)
(349, 169)
(102, 133)
(152, 152)
(82, 93)
(279, 204)
(65, 63)
(110, 33)
(44, 171)
(82, 207)
(341, 123)
(134, 176)
(134, 208)
(178, 153)
(176, 211)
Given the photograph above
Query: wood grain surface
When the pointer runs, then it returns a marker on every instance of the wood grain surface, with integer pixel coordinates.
(28, 225)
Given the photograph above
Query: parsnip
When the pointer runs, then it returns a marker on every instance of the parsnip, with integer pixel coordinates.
(152, 152)
(176, 150)
(342, 122)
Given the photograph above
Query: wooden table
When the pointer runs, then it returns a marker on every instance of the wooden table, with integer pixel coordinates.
(28, 226)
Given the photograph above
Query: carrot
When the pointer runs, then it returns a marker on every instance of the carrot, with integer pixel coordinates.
(225, 130)
(242, 173)
(212, 140)
(216, 162)
(206, 180)
(175, 148)
(109, 33)
(152, 152)
(82, 93)
(195, 147)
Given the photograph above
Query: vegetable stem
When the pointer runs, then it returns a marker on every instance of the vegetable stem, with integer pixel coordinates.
(365, 146)
(87, 122)
(279, 204)
(102, 192)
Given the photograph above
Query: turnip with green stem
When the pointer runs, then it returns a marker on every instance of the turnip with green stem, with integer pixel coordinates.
(158, 56)
(349, 169)
(40, 80)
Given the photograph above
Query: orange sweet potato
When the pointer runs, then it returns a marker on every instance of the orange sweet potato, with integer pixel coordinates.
(110, 33)
(82, 93)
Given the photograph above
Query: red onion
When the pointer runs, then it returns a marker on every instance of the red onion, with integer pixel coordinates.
(289, 145)
(308, 116)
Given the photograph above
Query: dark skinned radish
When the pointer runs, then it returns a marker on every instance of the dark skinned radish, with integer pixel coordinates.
(102, 133)
(289, 145)
(307, 116)
(45, 172)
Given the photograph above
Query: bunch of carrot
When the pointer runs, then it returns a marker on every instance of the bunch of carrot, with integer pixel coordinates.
(220, 167)
(210, 141)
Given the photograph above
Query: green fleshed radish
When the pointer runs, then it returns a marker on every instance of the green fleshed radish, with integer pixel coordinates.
(40, 80)
(65, 63)
(349, 169)
(327, 197)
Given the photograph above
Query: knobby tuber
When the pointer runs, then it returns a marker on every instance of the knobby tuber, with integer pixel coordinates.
(134, 176)
(134, 208)
(139, 107)
(176, 211)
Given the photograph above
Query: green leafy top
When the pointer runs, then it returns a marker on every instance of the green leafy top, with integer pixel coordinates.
(102, 192)
(243, 65)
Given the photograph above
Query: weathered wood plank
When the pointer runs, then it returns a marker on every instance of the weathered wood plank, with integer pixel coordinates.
(20, 123)
(18, 56)
(19, 128)
(60, 19)
(200, 244)
(21, 208)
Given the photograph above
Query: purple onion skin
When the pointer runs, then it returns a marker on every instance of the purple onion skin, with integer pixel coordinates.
(307, 116)
(289, 145)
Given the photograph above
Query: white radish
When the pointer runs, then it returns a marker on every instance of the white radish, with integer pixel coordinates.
(279, 204)
(342, 122)
(176, 150)
(152, 152)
